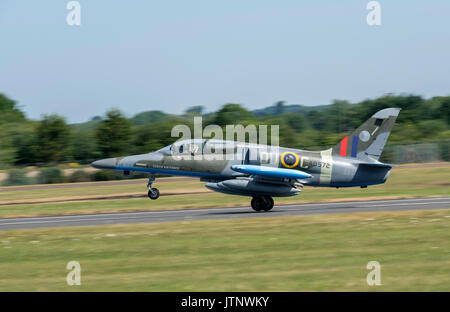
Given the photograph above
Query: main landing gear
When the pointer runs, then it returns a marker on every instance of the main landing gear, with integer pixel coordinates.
(264, 203)
(153, 193)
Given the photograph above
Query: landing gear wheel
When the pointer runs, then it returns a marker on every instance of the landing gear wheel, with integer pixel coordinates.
(256, 204)
(267, 203)
(153, 193)
(262, 203)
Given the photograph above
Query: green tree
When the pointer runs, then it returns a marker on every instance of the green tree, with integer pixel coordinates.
(12, 120)
(50, 176)
(296, 121)
(195, 110)
(231, 114)
(17, 177)
(279, 107)
(52, 139)
(317, 119)
(149, 117)
(445, 109)
(7, 149)
(154, 136)
(9, 112)
(113, 134)
(25, 143)
(83, 146)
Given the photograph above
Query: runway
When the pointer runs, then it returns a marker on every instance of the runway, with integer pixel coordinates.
(225, 213)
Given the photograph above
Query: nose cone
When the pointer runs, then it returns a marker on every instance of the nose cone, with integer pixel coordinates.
(108, 163)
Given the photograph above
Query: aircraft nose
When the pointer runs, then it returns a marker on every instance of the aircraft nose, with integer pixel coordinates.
(107, 163)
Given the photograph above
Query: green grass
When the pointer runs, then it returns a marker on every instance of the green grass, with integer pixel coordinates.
(404, 183)
(93, 189)
(309, 253)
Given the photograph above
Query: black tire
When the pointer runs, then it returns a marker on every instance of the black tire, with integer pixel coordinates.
(256, 203)
(153, 193)
(266, 203)
(271, 203)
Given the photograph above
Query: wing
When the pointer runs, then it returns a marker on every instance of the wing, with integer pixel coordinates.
(271, 172)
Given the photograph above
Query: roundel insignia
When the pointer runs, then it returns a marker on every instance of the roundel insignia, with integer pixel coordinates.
(289, 159)
(364, 135)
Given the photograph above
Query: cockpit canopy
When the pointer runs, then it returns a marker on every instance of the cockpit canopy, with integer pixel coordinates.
(199, 146)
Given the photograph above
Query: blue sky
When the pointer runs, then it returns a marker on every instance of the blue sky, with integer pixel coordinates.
(169, 55)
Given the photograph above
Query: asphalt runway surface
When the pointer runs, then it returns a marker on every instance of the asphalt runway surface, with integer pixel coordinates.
(225, 213)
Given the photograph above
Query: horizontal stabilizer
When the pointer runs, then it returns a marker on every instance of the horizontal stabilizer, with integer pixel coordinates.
(271, 172)
(381, 165)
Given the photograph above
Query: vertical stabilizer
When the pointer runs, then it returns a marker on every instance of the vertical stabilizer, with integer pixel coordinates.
(367, 142)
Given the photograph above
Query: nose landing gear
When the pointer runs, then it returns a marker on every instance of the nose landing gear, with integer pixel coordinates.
(153, 193)
(264, 203)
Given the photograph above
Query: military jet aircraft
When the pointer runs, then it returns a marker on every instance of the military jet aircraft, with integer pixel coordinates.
(263, 172)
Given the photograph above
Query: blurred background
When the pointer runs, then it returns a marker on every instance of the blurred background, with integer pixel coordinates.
(117, 83)
(52, 151)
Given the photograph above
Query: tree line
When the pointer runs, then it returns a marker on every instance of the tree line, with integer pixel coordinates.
(52, 140)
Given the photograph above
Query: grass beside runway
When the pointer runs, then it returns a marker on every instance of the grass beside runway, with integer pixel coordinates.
(308, 253)
(92, 189)
(403, 183)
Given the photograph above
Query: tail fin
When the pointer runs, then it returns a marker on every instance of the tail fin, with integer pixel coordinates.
(367, 142)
